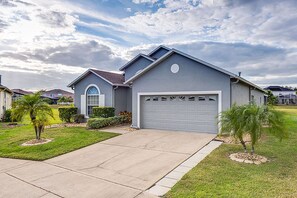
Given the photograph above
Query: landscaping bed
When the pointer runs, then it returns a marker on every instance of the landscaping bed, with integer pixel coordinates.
(219, 176)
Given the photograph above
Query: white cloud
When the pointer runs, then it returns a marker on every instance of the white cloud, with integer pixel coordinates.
(42, 38)
(145, 1)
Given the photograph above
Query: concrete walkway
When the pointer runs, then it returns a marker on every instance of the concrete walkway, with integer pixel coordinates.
(124, 166)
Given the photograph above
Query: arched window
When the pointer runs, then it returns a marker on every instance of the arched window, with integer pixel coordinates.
(92, 99)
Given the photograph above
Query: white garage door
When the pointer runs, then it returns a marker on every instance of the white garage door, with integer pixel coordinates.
(196, 113)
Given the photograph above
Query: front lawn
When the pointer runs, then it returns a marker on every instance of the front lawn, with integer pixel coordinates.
(218, 176)
(65, 139)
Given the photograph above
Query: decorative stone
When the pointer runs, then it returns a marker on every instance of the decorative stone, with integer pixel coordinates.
(248, 158)
(36, 142)
(248, 161)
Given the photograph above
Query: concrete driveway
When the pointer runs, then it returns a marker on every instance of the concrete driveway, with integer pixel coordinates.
(124, 166)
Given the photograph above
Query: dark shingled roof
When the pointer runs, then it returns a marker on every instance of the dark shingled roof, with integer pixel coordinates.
(114, 78)
(278, 88)
(20, 91)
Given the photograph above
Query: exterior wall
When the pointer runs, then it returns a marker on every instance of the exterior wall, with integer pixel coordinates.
(192, 76)
(129, 99)
(258, 96)
(80, 88)
(140, 64)
(120, 98)
(243, 93)
(5, 102)
(16, 96)
(240, 93)
(159, 53)
(277, 93)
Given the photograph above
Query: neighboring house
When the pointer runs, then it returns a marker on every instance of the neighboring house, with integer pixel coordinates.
(55, 94)
(5, 99)
(284, 95)
(18, 93)
(166, 89)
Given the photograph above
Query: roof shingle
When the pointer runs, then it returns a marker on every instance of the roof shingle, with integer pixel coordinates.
(114, 78)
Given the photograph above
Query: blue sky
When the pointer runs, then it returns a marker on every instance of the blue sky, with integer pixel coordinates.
(46, 44)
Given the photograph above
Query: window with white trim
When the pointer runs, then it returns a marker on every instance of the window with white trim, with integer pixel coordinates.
(92, 99)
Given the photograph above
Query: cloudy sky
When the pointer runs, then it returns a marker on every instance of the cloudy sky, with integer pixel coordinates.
(46, 44)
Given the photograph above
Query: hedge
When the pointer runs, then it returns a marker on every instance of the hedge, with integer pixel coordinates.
(103, 112)
(66, 113)
(79, 118)
(97, 123)
(7, 116)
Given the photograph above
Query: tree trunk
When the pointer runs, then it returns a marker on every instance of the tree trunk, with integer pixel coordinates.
(243, 144)
(39, 132)
(253, 149)
(36, 132)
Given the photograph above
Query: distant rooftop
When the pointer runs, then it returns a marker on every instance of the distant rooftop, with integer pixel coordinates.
(22, 92)
(278, 88)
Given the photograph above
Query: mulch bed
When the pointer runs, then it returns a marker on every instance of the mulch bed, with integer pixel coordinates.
(67, 125)
(36, 142)
(248, 158)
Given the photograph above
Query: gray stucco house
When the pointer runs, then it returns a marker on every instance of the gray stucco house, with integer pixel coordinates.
(166, 89)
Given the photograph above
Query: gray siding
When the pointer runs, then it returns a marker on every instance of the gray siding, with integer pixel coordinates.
(129, 99)
(258, 96)
(120, 98)
(140, 64)
(80, 88)
(159, 53)
(192, 76)
(240, 93)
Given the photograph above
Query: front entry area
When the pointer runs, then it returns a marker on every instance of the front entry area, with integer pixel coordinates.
(194, 113)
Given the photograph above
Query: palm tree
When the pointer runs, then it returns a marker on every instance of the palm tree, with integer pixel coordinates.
(34, 106)
(252, 119)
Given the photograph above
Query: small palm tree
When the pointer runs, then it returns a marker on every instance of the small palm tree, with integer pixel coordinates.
(252, 119)
(38, 110)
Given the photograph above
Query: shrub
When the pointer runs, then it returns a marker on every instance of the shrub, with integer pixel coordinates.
(97, 123)
(103, 112)
(127, 115)
(252, 119)
(7, 116)
(66, 113)
(79, 118)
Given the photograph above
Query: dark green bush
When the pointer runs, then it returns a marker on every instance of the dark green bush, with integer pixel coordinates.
(66, 113)
(7, 116)
(79, 118)
(97, 123)
(103, 112)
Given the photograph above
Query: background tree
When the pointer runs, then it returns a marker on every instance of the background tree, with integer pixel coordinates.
(252, 119)
(271, 99)
(38, 110)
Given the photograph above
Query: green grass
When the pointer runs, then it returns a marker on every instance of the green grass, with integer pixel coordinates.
(64, 140)
(218, 176)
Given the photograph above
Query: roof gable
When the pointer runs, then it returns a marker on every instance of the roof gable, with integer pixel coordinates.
(169, 53)
(139, 56)
(160, 48)
(113, 79)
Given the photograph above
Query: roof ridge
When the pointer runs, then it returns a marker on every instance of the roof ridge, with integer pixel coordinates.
(112, 72)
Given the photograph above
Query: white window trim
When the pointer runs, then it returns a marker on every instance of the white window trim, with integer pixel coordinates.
(219, 93)
(86, 105)
(92, 85)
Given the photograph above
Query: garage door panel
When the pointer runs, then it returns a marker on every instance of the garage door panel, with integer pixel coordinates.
(187, 113)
